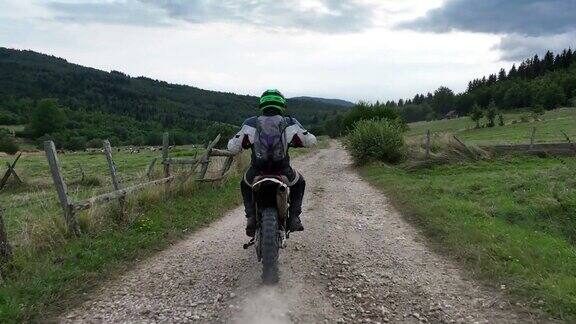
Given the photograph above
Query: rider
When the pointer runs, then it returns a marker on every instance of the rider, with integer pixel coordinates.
(273, 116)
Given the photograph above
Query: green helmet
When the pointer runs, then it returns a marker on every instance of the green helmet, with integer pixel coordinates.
(273, 99)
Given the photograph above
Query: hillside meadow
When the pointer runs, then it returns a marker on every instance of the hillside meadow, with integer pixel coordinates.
(517, 129)
(509, 219)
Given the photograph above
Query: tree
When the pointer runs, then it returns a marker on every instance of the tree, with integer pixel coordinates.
(502, 75)
(226, 132)
(47, 118)
(500, 119)
(443, 100)
(477, 115)
(491, 113)
(515, 97)
(550, 95)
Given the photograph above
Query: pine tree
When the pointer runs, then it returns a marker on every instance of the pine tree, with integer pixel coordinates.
(502, 75)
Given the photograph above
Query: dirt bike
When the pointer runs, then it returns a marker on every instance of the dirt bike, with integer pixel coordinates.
(271, 204)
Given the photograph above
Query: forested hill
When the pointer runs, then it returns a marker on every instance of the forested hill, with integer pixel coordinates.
(538, 82)
(133, 110)
(336, 102)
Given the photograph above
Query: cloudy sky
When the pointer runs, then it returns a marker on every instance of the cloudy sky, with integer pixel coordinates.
(349, 49)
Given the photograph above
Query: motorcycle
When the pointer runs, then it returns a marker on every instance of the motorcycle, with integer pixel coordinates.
(271, 204)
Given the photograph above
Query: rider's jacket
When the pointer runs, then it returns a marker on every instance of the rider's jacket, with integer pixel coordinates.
(296, 135)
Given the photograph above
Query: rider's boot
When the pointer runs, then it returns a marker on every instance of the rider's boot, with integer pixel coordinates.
(250, 225)
(296, 196)
(248, 209)
(295, 224)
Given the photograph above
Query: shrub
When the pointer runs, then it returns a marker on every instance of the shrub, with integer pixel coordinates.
(376, 140)
(7, 143)
(95, 143)
(537, 112)
(365, 111)
(476, 115)
(491, 113)
(77, 143)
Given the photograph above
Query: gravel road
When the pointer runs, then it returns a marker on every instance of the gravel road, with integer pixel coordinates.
(357, 261)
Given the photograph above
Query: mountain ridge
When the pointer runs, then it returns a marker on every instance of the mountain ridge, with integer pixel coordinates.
(125, 107)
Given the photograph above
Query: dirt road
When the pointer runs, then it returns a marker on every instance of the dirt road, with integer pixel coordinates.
(358, 261)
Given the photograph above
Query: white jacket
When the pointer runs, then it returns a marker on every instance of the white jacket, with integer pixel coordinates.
(296, 135)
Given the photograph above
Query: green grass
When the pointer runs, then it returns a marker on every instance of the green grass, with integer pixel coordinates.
(511, 221)
(549, 129)
(33, 216)
(41, 285)
(15, 128)
(50, 270)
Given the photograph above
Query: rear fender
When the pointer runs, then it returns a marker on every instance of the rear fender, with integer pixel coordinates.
(282, 194)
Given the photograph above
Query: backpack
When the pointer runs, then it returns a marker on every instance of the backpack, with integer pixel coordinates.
(270, 146)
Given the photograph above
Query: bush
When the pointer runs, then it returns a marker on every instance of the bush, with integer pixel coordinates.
(376, 140)
(477, 115)
(365, 111)
(491, 114)
(77, 143)
(7, 143)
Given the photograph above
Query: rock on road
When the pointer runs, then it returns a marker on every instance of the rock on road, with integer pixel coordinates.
(357, 261)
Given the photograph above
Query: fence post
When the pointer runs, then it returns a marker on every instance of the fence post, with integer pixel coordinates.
(5, 248)
(572, 146)
(150, 168)
(532, 137)
(61, 188)
(427, 144)
(227, 165)
(206, 158)
(113, 173)
(10, 171)
(165, 148)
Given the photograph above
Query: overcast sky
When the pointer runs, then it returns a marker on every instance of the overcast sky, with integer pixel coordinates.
(349, 49)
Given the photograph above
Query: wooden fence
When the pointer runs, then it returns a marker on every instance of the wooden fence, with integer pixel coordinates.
(70, 207)
(567, 148)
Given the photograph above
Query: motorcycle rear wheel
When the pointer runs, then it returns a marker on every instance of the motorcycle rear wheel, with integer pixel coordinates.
(269, 245)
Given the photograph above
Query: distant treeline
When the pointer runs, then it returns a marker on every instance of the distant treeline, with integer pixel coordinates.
(127, 110)
(549, 82)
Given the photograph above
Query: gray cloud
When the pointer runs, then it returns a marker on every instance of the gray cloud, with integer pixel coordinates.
(516, 47)
(524, 17)
(333, 16)
(126, 12)
(527, 26)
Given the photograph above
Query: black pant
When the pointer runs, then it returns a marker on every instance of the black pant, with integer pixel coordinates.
(296, 191)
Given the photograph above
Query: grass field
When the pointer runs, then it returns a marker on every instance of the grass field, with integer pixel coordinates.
(32, 215)
(49, 268)
(509, 219)
(41, 285)
(549, 128)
